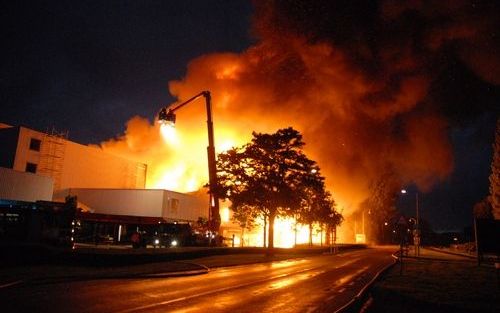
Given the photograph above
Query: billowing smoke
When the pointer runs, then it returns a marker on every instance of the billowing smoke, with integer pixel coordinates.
(362, 80)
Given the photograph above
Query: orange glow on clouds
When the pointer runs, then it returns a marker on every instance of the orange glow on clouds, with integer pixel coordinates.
(348, 126)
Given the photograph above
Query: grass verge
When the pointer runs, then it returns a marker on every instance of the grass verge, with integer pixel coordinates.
(437, 285)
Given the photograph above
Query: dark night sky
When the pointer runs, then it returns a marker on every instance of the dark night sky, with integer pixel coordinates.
(88, 66)
(448, 207)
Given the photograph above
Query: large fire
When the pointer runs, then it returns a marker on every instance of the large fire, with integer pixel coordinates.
(364, 111)
(181, 165)
(288, 233)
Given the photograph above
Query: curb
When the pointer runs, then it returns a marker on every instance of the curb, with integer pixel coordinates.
(362, 293)
(204, 270)
(51, 280)
(172, 274)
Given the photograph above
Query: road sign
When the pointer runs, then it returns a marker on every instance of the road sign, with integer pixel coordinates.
(416, 240)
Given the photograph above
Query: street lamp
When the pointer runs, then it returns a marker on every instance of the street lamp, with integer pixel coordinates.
(416, 237)
(167, 116)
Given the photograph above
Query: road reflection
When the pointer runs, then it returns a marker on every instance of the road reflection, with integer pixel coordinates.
(300, 285)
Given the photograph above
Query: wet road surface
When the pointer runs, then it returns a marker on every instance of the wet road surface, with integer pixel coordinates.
(314, 284)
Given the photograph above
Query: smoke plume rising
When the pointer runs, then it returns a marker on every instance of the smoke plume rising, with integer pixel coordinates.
(362, 82)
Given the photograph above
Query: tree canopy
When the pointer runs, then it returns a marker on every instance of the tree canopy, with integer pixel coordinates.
(379, 205)
(269, 177)
(495, 175)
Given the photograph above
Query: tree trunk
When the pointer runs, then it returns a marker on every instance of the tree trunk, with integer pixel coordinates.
(265, 232)
(295, 234)
(321, 232)
(325, 231)
(310, 234)
(271, 234)
(335, 238)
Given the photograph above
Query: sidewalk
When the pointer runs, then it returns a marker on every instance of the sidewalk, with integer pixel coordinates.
(436, 282)
(439, 254)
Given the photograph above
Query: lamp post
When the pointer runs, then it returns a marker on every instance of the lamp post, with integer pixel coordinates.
(384, 230)
(416, 237)
(167, 116)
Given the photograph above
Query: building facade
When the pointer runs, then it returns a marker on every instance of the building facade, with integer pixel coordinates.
(169, 205)
(47, 166)
(22, 186)
(69, 164)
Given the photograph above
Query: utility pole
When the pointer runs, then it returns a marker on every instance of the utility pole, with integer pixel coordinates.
(417, 235)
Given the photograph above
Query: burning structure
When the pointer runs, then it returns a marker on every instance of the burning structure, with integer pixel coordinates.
(373, 87)
(367, 86)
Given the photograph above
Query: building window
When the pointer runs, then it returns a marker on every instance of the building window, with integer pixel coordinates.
(30, 167)
(35, 144)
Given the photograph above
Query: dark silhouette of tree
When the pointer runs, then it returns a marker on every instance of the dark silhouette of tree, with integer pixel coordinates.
(328, 217)
(245, 217)
(483, 209)
(267, 175)
(379, 206)
(201, 225)
(494, 197)
(317, 204)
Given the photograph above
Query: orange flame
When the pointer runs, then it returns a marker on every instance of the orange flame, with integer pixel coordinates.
(351, 126)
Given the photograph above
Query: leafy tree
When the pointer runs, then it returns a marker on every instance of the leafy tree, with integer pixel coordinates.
(495, 175)
(265, 175)
(483, 209)
(379, 206)
(245, 217)
(314, 205)
(328, 216)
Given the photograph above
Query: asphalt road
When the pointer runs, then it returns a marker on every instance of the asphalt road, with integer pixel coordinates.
(314, 284)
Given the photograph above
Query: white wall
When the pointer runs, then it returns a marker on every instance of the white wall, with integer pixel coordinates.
(191, 206)
(23, 152)
(81, 166)
(22, 186)
(170, 205)
(89, 167)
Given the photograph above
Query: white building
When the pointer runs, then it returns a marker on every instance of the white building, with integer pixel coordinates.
(22, 186)
(69, 164)
(169, 205)
(46, 166)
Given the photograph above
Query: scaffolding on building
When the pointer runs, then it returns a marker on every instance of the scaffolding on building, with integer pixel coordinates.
(52, 155)
(136, 175)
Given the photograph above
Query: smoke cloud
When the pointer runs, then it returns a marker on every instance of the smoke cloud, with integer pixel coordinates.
(362, 81)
